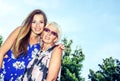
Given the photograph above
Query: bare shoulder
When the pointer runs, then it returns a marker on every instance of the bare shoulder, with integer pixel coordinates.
(57, 49)
(18, 28)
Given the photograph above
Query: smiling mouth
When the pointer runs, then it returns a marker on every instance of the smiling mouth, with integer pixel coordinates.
(47, 37)
(38, 29)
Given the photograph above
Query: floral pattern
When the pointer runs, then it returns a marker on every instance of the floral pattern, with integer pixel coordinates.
(13, 69)
(37, 68)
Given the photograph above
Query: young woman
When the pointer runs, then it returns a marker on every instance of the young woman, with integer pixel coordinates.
(46, 65)
(23, 44)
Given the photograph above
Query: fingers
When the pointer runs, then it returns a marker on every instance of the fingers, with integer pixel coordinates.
(61, 46)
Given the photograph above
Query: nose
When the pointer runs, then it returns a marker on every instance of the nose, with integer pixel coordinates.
(49, 33)
(37, 24)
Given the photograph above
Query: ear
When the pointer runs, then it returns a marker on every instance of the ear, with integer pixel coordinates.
(56, 39)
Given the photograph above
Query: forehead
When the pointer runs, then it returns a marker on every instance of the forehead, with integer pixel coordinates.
(38, 16)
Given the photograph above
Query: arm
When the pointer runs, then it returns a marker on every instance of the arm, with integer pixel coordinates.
(55, 64)
(8, 44)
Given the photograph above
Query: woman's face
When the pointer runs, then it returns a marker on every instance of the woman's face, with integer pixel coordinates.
(50, 35)
(37, 25)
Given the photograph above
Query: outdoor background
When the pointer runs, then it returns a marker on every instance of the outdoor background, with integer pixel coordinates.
(93, 25)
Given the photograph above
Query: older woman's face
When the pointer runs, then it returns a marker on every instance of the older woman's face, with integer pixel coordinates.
(50, 34)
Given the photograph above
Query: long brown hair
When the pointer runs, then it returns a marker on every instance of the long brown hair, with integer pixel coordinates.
(21, 43)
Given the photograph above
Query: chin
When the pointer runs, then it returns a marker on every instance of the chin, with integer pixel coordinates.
(38, 32)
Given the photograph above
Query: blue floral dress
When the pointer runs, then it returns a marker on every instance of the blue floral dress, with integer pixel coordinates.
(13, 69)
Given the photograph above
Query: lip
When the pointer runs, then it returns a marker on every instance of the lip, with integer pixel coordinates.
(47, 37)
(38, 29)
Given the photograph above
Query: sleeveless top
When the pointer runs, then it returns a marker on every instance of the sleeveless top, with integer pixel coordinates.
(37, 69)
(12, 68)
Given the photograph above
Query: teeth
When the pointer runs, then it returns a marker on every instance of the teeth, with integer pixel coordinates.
(47, 37)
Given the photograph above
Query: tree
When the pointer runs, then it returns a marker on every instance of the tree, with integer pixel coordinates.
(109, 71)
(71, 63)
(1, 40)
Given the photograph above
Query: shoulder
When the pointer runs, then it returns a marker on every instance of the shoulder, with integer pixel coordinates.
(16, 30)
(57, 49)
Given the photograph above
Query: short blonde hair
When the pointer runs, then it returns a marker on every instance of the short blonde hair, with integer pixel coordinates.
(57, 26)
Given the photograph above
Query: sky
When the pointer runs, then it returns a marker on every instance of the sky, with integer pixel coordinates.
(93, 25)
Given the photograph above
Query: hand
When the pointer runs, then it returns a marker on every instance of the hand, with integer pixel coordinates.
(61, 46)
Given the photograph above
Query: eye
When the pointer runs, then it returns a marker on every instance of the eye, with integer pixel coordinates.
(46, 30)
(54, 33)
(41, 22)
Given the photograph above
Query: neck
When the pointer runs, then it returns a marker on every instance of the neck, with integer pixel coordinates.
(33, 36)
(33, 39)
(46, 46)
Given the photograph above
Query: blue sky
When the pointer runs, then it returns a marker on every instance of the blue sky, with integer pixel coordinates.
(94, 25)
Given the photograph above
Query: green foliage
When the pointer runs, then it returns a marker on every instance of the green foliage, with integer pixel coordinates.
(1, 40)
(109, 71)
(71, 63)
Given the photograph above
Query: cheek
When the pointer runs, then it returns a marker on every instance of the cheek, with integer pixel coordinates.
(42, 28)
(32, 26)
(53, 39)
(42, 25)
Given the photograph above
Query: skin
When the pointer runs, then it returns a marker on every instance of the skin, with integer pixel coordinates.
(37, 27)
